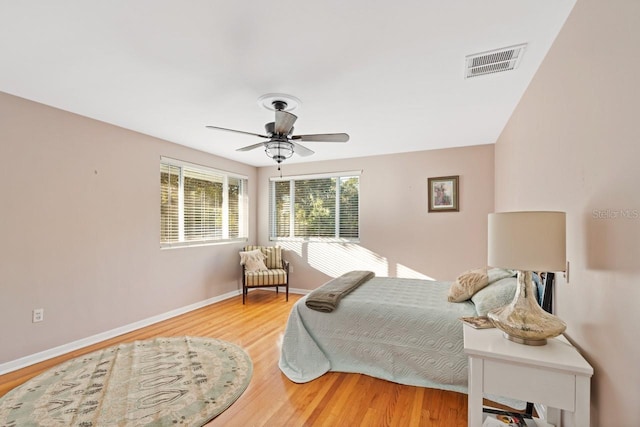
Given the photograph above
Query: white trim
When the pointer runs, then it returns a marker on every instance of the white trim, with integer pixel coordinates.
(317, 175)
(198, 243)
(176, 162)
(316, 239)
(84, 342)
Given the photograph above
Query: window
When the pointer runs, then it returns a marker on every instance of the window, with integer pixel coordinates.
(318, 206)
(200, 205)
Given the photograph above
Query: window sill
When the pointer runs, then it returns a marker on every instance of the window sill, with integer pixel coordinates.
(314, 239)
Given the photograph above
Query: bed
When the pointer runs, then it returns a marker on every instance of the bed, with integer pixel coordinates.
(400, 330)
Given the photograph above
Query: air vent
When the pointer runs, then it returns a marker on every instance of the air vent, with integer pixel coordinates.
(494, 61)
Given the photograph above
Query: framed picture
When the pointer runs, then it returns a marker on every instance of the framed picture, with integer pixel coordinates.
(443, 194)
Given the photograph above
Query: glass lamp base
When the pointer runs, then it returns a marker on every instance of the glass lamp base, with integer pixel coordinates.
(523, 320)
(525, 341)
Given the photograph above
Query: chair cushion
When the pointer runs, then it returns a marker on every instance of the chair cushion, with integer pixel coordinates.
(253, 260)
(275, 276)
(273, 255)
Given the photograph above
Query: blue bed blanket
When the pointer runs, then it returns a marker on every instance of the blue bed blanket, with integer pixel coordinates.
(401, 330)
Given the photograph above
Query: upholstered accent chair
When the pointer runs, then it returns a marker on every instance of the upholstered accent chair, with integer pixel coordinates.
(263, 267)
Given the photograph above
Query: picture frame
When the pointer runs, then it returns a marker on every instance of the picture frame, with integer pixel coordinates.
(443, 194)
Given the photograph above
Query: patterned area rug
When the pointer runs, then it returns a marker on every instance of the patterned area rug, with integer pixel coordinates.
(159, 382)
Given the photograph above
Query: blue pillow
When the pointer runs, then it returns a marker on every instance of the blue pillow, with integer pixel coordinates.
(539, 287)
(497, 294)
(501, 293)
(496, 274)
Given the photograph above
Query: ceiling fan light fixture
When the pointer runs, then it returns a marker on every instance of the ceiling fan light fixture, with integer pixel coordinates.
(279, 150)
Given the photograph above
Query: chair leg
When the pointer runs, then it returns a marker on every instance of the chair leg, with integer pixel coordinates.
(244, 293)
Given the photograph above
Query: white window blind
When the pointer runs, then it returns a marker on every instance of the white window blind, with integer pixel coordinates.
(308, 207)
(200, 205)
(169, 202)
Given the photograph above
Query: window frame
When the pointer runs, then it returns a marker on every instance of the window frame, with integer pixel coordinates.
(292, 237)
(243, 205)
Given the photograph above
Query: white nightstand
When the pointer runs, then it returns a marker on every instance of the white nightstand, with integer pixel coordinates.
(555, 374)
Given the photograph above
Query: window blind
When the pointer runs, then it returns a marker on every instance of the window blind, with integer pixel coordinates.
(199, 204)
(169, 203)
(237, 208)
(202, 205)
(325, 207)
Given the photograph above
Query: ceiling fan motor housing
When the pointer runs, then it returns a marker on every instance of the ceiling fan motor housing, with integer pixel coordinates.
(279, 105)
(271, 129)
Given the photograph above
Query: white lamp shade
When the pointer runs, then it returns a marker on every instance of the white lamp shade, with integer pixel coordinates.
(528, 241)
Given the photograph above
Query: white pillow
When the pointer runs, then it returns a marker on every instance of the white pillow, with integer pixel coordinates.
(253, 260)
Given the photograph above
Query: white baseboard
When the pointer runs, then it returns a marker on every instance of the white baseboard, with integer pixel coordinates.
(75, 345)
(32, 359)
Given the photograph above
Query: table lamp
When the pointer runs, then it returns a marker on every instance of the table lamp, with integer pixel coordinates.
(527, 242)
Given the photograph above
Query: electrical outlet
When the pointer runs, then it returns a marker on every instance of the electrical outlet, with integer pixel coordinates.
(38, 315)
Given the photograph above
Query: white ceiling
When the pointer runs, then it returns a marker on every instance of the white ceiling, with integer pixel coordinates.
(390, 74)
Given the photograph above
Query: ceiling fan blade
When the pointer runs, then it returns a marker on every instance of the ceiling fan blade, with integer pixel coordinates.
(251, 147)
(237, 131)
(301, 150)
(322, 137)
(284, 122)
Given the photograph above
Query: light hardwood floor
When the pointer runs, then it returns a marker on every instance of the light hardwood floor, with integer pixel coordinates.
(335, 399)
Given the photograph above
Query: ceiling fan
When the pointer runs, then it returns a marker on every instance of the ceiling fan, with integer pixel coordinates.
(281, 143)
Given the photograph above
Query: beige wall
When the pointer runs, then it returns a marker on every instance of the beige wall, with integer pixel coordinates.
(398, 236)
(573, 144)
(80, 223)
